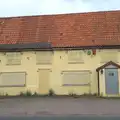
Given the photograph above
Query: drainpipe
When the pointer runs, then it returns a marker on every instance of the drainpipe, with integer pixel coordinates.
(98, 84)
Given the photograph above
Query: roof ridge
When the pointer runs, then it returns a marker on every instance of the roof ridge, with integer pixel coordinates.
(59, 14)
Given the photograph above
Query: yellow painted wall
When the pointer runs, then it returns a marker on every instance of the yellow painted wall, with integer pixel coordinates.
(59, 64)
(102, 83)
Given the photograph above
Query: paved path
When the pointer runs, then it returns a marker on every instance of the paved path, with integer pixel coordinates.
(59, 106)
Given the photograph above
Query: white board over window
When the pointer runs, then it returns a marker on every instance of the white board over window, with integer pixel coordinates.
(44, 57)
(13, 58)
(76, 78)
(75, 56)
(13, 79)
(109, 55)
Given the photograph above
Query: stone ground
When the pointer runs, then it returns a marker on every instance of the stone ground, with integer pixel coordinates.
(59, 106)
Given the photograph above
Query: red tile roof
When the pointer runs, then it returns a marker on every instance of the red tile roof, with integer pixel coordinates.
(64, 30)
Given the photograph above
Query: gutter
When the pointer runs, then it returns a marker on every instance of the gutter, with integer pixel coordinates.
(87, 47)
(48, 46)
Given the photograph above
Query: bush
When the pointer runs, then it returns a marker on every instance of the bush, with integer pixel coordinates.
(27, 93)
(6, 94)
(72, 94)
(35, 94)
(22, 94)
(51, 92)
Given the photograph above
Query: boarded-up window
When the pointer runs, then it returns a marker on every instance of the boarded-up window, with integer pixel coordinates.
(44, 57)
(13, 58)
(75, 56)
(109, 55)
(76, 78)
(12, 79)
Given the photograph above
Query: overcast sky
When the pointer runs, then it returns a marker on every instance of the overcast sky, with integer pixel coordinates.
(37, 7)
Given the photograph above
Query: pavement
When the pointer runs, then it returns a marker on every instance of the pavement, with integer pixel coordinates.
(59, 107)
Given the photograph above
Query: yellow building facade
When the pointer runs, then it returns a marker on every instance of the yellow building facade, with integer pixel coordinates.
(64, 71)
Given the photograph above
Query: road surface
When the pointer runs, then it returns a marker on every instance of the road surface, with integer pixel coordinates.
(59, 106)
(60, 118)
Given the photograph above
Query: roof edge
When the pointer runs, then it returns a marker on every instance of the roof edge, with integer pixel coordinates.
(47, 46)
(59, 14)
(90, 47)
(107, 64)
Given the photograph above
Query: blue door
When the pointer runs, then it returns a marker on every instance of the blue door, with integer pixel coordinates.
(111, 81)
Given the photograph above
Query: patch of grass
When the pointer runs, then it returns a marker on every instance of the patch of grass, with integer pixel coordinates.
(89, 95)
(82, 95)
(4, 95)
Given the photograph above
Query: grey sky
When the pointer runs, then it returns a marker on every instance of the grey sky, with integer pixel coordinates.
(37, 7)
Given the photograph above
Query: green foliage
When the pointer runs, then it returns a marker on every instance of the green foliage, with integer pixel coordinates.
(27, 93)
(35, 94)
(22, 94)
(51, 92)
(72, 94)
(6, 94)
(89, 52)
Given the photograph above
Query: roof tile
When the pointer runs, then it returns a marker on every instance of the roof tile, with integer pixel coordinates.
(77, 29)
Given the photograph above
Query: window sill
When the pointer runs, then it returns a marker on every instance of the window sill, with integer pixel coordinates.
(75, 62)
(12, 64)
(70, 85)
(43, 63)
(3, 86)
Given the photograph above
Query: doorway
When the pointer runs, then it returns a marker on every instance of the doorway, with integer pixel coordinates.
(44, 77)
(111, 81)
